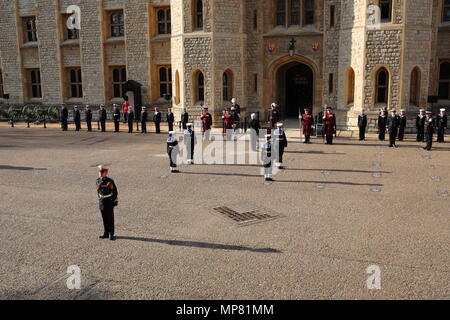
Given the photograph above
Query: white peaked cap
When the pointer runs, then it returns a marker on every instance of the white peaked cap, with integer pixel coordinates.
(442, 110)
(273, 104)
(422, 110)
(189, 124)
(268, 136)
(171, 133)
(103, 168)
(279, 124)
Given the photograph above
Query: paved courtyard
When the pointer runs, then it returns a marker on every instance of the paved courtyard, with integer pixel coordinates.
(342, 209)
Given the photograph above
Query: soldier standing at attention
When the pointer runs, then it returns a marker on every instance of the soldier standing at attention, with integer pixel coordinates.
(362, 125)
(429, 130)
(144, 119)
(254, 128)
(130, 119)
(393, 124)
(103, 117)
(441, 124)
(172, 151)
(125, 106)
(274, 116)
(206, 123)
(382, 123)
(77, 118)
(170, 119)
(157, 120)
(189, 142)
(403, 123)
(88, 116)
(266, 158)
(228, 124)
(107, 196)
(281, 143)
(420, 126)
(235, 106)
(64, 117)
(308, 125)
(184, 119)
(329, 125)
(116, 116)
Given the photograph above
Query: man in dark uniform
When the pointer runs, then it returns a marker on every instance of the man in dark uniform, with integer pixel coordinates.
(281, 143)
(170, 119)
(254, 128)
(393, 124)
(308, 125)
(130, 118)
(157, 120)
(235, 106)
(441, 125)
(403, 123)
(103, 117)
(88, 116)
(274, 116)
(108, 199)
(206, 119)
(362, 125)
(228, 124)
(172, 151)
(329, 126)
(430, 123)
(116, 117)
(382, 124)
(64, 117)
(236, 118)
(77, 118)
(184, 119)
(144, 119)
(266, 158)
(420, 126)
(189, 142)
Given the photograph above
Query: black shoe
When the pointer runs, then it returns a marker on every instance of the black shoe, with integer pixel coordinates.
(112, 238)
(105, 236)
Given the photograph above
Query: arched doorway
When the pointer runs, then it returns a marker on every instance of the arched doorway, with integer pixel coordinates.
(295, 88)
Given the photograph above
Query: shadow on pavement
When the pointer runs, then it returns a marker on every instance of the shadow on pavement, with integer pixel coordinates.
(5, 167)
(200, 244)
(338, 170)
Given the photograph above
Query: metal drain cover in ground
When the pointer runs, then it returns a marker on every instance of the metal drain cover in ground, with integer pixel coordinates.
(443, 193)
(244, 214)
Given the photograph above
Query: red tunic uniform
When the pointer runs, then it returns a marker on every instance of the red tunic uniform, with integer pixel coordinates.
(329, 122)
(125, 106)
(206, 121)
(307, 123)
(228, 121)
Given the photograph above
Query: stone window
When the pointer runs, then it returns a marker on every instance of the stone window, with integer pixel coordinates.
(414, 90)
(227, 85)
(119, 78)
(382, 86)
(199, 88)
(446, 11)
(69, 34)
(2, 91)
(350, 86)
(330, 83)
(165, 81)
(116, 24)
(444, 81)
(164, 24)
(386, 10)
(294, 12)
(34, 83)
(177, 88)
(255, 20)
(198, 14)
(30, 34)
(75, 83)
(332, 16)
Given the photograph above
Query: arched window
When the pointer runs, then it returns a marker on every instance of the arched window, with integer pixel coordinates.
(382, 86)
(199, 90)
(350, 85)
(227, 84)
(198, 14)
(177, 88)
(444, 81)
(165, 81)
(414, 89)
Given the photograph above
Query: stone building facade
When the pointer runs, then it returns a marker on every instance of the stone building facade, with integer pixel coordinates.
(347, 54)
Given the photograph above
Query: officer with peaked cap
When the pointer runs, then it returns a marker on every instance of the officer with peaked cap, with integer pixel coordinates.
(441, 125)
(329, 125)
(393, 123)
(130, 118)
(102, 117)
(170, 119)
(144, 119)
(382, 123)
(281, 143)
(266, 158)
(88, 117)
(184, 119)
(403, 123)
(172, 151)
(108, 199)
(274, 116)
(420, 125)
(157, 118)
(116, 117)
(189, 142)
(77, 118)
(430, 124)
